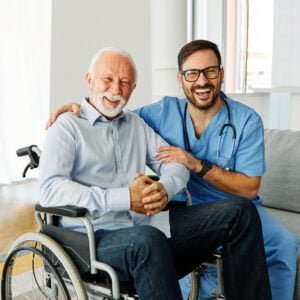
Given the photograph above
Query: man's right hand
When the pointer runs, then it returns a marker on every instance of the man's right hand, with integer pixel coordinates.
(69, 107)
(136, 193)
(147, 196)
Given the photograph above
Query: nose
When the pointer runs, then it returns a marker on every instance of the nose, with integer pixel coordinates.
(115, 87)
(202, 79)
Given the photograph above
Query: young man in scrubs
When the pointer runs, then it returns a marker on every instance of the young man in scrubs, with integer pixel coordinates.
(221, 142)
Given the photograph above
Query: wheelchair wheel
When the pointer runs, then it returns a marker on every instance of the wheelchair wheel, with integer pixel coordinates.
(36, 267)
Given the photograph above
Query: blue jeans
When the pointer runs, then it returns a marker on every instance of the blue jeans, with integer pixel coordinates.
(281, 253)
(144, 254)
(141, 254)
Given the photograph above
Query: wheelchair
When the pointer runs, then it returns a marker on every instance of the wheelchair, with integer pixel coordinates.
(58, 263)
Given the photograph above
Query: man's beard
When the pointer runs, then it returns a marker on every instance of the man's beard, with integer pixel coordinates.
(192, 99)
(107, 111)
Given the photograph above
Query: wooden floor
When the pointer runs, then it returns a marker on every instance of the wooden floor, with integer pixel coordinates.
(16, 211)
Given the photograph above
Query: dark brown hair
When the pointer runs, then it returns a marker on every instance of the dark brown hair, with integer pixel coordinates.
(194, 46)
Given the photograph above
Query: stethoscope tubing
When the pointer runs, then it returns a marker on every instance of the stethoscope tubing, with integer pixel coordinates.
(221, 132)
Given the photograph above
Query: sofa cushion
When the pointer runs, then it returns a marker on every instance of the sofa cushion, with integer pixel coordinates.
(281, 184)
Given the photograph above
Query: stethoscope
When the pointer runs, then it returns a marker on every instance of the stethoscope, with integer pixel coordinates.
(228, 125)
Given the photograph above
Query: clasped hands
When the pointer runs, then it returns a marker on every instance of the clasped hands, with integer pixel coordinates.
(147, 196)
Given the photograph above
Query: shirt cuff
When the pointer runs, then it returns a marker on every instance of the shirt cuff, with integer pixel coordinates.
(118, 199)
(169, 186)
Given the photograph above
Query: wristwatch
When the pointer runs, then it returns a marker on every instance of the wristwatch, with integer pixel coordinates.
(206, 166)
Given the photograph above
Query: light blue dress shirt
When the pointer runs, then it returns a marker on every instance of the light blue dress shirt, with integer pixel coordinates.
(91, 162)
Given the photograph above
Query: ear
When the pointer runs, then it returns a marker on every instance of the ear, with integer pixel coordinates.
(222, 74)
(88, 80)
(180, 79)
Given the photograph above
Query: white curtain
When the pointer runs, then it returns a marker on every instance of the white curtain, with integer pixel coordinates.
(25, 29)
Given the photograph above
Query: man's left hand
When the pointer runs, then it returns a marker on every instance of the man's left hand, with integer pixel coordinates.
(171, 154)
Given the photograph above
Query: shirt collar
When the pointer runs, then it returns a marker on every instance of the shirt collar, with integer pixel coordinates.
(89, 112)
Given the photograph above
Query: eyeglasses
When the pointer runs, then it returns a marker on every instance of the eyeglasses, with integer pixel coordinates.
(209, 72)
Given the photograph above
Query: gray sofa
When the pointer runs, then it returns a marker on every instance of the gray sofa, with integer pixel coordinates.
(280, 189)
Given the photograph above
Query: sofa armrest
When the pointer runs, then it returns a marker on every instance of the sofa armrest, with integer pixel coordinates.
(280, 186)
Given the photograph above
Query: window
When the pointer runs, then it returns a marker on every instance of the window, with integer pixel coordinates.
(248, 45)
(243, 29)
(24, 79)
(259, 36)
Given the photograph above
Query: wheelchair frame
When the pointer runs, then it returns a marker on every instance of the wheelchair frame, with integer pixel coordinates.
(73, 261)
(81, 214)
(64, 257)
(45, 217)
(113, 292)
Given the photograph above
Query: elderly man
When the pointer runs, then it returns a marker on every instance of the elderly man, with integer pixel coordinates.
(97, 161)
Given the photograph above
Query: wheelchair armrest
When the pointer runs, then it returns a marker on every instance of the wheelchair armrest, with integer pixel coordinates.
(63, 211)
(54, 212)
(154, 177)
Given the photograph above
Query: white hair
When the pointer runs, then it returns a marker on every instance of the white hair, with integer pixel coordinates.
(122, 52)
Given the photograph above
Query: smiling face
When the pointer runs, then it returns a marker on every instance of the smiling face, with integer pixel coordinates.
(111, 83)
(202, 93)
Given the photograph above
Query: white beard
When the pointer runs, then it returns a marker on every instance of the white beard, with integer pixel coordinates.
(108, 111)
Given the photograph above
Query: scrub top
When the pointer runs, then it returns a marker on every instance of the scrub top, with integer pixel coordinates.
(166, 117)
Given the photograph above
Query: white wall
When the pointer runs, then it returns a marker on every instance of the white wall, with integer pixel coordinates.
(81, 27)
(169, 34)
(151, 30)
(286, 44)
(278, 107)
(258, 101)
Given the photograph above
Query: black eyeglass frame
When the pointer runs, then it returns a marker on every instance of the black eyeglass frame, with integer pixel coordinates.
(218, 68)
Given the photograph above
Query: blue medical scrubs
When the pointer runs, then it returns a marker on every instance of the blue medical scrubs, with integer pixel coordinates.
(244, 155)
